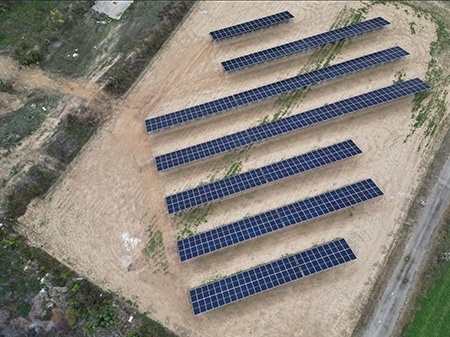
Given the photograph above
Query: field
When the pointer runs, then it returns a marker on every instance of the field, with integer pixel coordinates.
(433, 311)
(107, 217)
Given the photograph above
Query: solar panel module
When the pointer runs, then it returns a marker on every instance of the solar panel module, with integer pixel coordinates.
(304, 44)
(250, 26)
(261, 176)
(274, 89)
(288, 124)
(264, 223)
(270, 275)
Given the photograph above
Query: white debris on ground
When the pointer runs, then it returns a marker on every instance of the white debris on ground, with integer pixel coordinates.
(114, 9)
(129, 242)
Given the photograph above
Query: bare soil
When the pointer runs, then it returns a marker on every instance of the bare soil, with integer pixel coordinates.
(95, 219)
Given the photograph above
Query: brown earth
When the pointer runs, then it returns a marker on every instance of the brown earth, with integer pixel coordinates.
(96, 218)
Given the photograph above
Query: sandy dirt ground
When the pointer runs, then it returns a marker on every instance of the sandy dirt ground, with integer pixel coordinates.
(96, 218)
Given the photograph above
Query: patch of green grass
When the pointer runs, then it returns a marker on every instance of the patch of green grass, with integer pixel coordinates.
(321, 57)
(399, 77)
(432, 316)
(265, 120)
(411, 27)
(190, 219)
(234, 169)
(27, 28)
(6, 86)
(17, 125)
(155, 250)
(23, 309)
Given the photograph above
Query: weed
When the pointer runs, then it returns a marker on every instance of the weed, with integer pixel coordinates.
(155, 249)
(35, 183)
(16, 125)
(190, 219)
(399, 77)
(6, 86)
(23, 309)
(411, 27)
(74, 132)
(121, 76)
(234, 169)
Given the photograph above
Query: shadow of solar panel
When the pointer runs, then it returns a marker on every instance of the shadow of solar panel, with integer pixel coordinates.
(270, 275)
(251, 25)
(292, 123)
(264, 175)
(277, 88)
(246, 229)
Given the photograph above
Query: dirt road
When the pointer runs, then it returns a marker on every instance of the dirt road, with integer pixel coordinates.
(405, 274)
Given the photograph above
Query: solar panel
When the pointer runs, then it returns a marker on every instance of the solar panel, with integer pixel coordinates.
(304, 44)
(261, 224)
(271, 275)
(261, 176)
(288, 124)
(251, 26)
(274, 89)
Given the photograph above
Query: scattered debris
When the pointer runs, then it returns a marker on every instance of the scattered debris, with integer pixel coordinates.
(445, 256)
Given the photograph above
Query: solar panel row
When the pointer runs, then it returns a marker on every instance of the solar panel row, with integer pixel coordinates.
(270, 275)
(274, 89)
(304, 44)
(251, 25)
(264, 223)
(288, 124)
(261, 176)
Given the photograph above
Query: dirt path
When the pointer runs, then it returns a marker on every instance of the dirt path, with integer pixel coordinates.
(405, 275)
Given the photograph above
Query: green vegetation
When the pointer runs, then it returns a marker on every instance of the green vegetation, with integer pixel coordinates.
(432, 316)
(29, 29)
(35, 183)
(16, 125)
(6, 86)
(122, 75)
(321, 57)
(234, 169)
(74, 131)
(155, 250)
(62, 37)
(190, 219)
(399, 77)
(411, 27)
(430, 106)
(23, 309)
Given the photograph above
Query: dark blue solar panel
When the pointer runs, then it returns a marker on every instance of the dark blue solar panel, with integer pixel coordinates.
(289, 215)
(267, 174)
(291, 123)
(277, 88)
(269, 276)
(251, 25)
(304, 44)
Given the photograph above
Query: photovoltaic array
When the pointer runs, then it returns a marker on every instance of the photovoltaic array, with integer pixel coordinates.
(261, 224)
(250, 26)
(304, 44)
(270, 275)
(274, 89)
(261, 176)
(288, 124)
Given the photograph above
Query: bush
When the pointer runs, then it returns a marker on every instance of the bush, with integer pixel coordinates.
(71, 137)
(23, 309)
(36, 183)
(28, 55)
(6, 86)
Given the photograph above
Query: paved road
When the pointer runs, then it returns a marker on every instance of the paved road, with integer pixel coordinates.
(405, 274)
